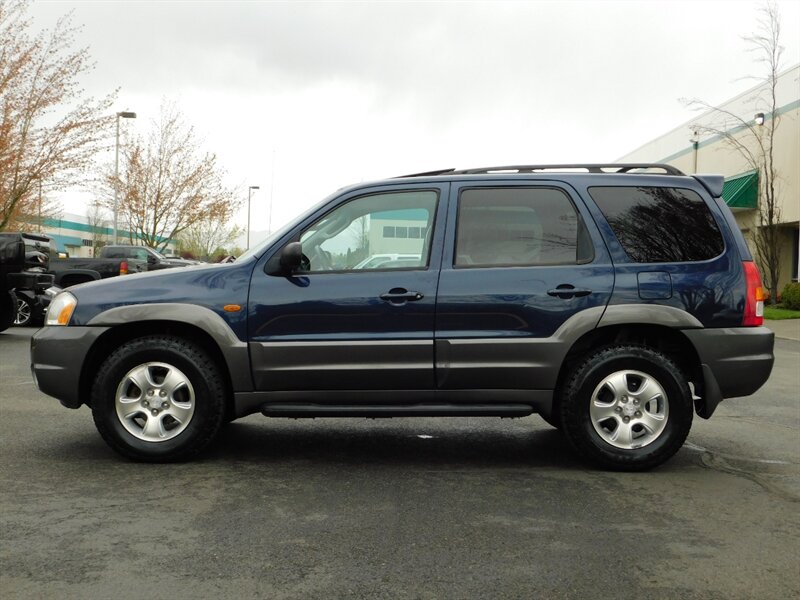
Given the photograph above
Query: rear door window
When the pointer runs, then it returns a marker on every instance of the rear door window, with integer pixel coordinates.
(660, 224)
(518, 226)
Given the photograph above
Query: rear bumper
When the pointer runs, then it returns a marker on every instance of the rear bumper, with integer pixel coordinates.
(735, 361)
(57, 357)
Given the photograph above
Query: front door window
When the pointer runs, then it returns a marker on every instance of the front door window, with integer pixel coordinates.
(377, 232)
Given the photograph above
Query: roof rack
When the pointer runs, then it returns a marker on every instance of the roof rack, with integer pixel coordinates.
(428, 173)
(610, 168)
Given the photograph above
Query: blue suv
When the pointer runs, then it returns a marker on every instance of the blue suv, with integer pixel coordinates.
(613, 300)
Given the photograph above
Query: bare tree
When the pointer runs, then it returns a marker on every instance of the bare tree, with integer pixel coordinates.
(754, 141)
(97, 219)
(38, 82)
(166, 185)
(209, 238)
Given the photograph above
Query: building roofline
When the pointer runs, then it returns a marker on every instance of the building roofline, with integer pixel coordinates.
(686, 125)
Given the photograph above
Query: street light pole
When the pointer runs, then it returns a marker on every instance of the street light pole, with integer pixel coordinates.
(40, 206)
(271, 189)
(249, 192)
(124, 115)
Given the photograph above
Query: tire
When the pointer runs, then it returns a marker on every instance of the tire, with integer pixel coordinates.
(24, 315)
(554, 419)
(8, 309)
(627, 408)
(158, 399)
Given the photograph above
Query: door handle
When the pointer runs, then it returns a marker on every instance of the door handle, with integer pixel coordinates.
(401, 296)
(566, 291)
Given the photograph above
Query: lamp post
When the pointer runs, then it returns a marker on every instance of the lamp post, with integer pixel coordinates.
(695, 146)
(271, 189)
(124, 115)
(249, 192)
(40, 206)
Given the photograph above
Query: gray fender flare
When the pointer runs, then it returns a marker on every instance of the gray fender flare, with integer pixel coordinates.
(234, 350)
(651, 314)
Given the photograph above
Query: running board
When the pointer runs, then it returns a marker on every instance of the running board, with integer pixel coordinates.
(377, 411)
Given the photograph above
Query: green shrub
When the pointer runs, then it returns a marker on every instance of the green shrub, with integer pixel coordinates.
(790, 298)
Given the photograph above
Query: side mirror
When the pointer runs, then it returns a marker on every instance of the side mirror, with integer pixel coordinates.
(151, 260)
(289, 261)
(292, 257)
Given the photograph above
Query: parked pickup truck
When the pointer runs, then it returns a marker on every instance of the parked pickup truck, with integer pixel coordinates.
(153, 260)
(72, 271)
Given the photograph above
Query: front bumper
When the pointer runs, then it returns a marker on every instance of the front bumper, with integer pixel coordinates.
(57, 358)
(736, 361)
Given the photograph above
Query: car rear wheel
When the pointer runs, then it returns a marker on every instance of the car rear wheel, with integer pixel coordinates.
(158, 398)
(24, 312)
(627, 407)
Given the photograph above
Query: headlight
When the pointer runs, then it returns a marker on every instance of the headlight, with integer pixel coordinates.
(60, 310)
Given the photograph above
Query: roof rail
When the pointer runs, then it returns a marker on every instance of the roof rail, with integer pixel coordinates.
(610, 168)
(427, 173)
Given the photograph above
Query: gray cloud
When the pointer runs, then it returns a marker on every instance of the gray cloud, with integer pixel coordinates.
(378, 88)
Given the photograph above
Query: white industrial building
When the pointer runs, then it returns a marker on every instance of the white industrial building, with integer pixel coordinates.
(74, 234)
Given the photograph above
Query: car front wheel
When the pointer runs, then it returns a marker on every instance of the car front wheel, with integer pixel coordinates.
(158, 398)
(627, 407)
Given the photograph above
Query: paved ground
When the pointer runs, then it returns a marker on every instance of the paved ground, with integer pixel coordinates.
(415, 508)
(788, 329)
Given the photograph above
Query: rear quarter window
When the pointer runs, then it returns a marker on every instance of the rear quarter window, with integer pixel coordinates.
(660, 224)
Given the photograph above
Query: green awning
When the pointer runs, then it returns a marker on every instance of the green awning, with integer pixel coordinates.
(741, 191)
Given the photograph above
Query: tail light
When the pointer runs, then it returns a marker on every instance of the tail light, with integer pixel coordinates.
(754, 299)
(123, 268)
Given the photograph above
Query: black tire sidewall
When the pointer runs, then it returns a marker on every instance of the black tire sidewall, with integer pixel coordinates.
(193, 363)
(575, 407)
(8, 309)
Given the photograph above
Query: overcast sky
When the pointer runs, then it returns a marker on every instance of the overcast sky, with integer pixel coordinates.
(335, 93)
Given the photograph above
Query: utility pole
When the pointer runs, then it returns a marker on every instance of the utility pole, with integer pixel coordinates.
(124, 115)
(271, 189)
(249, 192)
(40, 206)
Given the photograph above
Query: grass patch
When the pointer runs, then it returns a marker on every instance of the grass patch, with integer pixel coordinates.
(777, 313)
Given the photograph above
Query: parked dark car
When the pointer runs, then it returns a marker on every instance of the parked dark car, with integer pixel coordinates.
(19, 284)
(186, 261)
(615, 302)
(154, 260)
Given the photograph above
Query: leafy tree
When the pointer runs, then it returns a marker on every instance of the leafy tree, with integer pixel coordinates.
(755, 142)
(49, 130)
(167, 186)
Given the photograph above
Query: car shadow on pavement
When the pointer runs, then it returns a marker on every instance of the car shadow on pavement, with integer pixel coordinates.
(451, 443)
(417, 442)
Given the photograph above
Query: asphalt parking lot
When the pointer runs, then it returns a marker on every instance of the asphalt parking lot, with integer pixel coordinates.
(401, 508)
